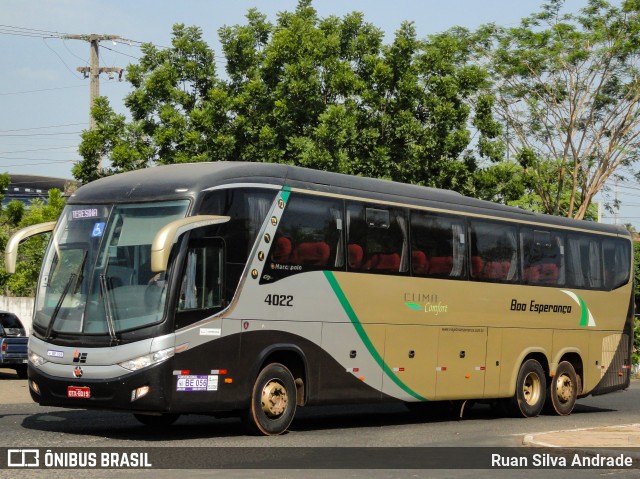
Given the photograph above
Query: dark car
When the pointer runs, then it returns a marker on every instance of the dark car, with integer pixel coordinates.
(13, 343)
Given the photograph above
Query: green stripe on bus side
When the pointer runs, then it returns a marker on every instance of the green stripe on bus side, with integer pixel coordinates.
(584, 317)
(363, 335)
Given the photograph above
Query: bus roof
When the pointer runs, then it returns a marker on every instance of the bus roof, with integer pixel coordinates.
(188, 180)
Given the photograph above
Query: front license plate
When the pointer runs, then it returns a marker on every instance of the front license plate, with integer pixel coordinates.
(83, 392)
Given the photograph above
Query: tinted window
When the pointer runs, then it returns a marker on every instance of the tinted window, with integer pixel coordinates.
(202, 287)
(377, 239)
(584, 261)
(542, 257)
(309, 238)
(10, 325)
(493, 251)
(9, 320)
(247, 207)
(437, 245)
(617, 262)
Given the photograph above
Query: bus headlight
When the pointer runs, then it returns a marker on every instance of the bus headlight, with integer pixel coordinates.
(35, 359)
(148, 359)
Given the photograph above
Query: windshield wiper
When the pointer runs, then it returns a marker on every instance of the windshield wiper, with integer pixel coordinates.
(72, 277)
(56, 310)
(108, 312)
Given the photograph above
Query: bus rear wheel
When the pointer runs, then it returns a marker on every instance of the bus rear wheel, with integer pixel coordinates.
(161, 420)
(273, 401)
(563, 390)
(531, 390)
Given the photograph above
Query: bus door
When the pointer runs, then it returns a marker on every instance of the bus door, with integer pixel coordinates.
(199, 297)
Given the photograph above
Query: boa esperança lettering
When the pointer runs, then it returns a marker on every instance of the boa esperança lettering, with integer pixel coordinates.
(540, 308)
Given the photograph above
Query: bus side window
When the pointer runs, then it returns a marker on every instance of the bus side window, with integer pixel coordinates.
(377, 239)
(616, 262)
(247, 208)
(309, 238)
(437, 245)
(584, 262)
(202, 287)
(494, 254)
(542, 257)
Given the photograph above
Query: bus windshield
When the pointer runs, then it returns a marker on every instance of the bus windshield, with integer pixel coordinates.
(96, 277)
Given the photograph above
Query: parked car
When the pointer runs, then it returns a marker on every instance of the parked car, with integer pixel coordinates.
(13, 344)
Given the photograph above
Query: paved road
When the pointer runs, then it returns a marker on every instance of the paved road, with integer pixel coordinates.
(23, 423)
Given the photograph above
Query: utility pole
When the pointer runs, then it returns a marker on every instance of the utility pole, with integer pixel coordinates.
(94, 70)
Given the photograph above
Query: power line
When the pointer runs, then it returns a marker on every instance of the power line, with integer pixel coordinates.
(38, 149)
(120, 53)
(34, 159)
(63, 62)
(42, 127)
(64, 44)
(2, 135)
(22, 165)
(32, 30)
(40, 90)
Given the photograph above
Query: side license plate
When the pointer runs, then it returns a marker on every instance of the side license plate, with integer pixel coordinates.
(83, 392)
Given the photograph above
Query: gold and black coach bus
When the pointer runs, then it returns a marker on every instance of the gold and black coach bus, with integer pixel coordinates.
(254, 289)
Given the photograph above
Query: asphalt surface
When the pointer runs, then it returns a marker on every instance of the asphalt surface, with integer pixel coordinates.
(16, 391)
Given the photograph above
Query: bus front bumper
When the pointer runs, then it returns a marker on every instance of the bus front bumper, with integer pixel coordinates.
(144, 390)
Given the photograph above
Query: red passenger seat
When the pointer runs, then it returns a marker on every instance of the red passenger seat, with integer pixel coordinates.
(281, 250)
(496, 269)
(355, 255)
(547, 273)
(477, 265)
(441, 265)
(311, 254)
(532, 273)
(383, 262)
(419, 262)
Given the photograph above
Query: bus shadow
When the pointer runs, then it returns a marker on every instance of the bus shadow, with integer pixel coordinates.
(8, 374)
(123, 426)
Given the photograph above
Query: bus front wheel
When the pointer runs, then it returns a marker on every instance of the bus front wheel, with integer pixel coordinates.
(531, 390)
(563, 389)
(273, 401)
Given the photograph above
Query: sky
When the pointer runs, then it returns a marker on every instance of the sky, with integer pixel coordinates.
(44, 101)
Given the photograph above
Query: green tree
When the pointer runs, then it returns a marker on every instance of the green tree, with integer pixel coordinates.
(636, 338)
(14, 217)
(324, 93)
(568, 92)
(178, 107)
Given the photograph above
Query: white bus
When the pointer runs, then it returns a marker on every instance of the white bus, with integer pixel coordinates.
(252, 289)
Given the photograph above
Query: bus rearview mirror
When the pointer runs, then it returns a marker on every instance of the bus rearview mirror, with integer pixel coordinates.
(169, 234)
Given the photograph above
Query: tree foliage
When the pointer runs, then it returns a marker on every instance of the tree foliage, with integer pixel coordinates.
(15, 216)
(568, 92)
(324, 93)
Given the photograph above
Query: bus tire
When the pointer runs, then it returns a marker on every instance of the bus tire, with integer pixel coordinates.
(531, 390)
(273, 401)
(162, 420)
(563, 390)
